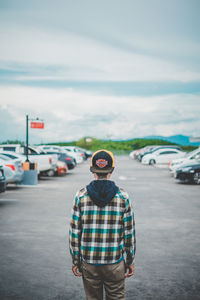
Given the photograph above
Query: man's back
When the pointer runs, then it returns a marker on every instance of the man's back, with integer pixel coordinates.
(105, 231)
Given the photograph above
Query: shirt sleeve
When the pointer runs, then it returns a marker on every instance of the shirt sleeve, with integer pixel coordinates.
(129, 233)
(75, 232)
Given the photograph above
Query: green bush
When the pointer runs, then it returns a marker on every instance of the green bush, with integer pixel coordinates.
(118, 147)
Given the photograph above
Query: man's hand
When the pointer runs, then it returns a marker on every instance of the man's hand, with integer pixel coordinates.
(131, 271)
(76, 271)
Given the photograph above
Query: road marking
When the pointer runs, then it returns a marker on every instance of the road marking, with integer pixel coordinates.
(27, 185)
(123, 178)
(164, 166)
(8, 200)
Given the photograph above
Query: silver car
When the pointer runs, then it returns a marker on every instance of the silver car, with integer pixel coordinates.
(12, 169)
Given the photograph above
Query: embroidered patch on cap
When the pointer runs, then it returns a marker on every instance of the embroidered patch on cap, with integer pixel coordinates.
(101, 163)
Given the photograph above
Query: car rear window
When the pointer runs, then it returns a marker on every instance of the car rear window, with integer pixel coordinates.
(7, 148)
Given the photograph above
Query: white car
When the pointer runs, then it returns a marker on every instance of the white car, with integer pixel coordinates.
(189, 157)
(53, 159)
(12, 169)
(13, 155)
(44, 161)
(162, 156)
(72, 151)
(64, 149)
(50, 148)
(131, 154)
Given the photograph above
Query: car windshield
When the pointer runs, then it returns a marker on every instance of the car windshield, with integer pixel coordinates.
(52, 152)
(191, 153)
(3, 157)
(10, 155)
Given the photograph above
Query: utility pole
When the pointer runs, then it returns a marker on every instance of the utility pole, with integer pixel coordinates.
(27, 138)
(36, 124)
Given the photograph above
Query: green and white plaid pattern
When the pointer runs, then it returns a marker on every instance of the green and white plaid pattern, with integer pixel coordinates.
(102, 235)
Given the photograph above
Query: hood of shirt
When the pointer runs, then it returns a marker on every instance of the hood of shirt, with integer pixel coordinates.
(102, 191)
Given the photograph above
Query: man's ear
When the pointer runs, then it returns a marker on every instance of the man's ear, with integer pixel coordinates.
(108, 176)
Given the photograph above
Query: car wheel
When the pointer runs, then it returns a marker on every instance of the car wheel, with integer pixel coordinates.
(196, 177)
(152, 162)
(50, 173)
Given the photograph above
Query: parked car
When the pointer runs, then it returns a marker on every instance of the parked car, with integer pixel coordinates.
(50, 147)
(12, 169)
(64, 157)
(152, 149)
(2, 180)
(72, 151)
(68, 159)
(138, 153)
(189, 157)
(61, 149)
(87, 153)
(162, 156)
(44, 161)
(79, 151)
(53, 160)
(145, 150)
(132, 154)
(189, 172)
(13, 155)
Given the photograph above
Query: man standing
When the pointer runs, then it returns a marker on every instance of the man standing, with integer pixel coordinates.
(102, 233)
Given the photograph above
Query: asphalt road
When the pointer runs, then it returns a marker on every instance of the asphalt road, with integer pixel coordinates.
(35, 262)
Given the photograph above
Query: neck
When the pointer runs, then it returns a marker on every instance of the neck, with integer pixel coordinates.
(107, 177)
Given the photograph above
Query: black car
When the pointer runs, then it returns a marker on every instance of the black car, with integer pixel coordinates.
(70, 161)
(189, 173)
(2, 180)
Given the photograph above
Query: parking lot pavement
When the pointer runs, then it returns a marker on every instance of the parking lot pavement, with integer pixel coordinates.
(34, 255)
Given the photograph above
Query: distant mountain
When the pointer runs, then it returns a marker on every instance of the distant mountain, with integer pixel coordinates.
(175, 139)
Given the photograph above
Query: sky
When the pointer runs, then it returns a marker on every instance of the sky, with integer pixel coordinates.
(107, 69)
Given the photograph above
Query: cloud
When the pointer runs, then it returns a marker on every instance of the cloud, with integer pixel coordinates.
(10, 129)
(70, 115)
(84, 58)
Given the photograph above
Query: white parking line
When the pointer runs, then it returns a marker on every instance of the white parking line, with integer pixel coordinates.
(27, 185)
(123, 178)
(8, 200)
(164, 166)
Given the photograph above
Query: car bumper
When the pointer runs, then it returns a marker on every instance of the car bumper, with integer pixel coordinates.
(61, 171)
(184, 176)
(16, 178)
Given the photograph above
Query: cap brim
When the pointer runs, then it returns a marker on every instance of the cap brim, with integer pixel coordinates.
(94, 170)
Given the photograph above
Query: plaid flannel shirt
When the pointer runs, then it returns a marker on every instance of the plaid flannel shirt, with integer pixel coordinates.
(102, 235)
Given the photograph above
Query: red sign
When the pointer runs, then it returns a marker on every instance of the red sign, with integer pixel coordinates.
(38, 125)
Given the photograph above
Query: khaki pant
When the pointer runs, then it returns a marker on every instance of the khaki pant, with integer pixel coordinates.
(111, 277)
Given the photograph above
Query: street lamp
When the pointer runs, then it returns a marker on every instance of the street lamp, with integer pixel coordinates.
(35, 123)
